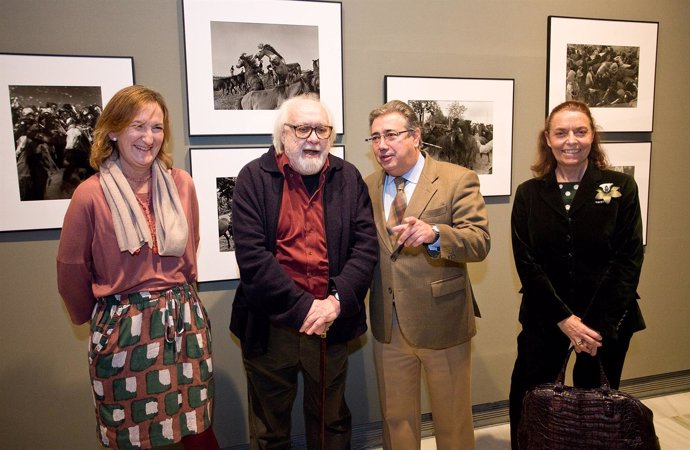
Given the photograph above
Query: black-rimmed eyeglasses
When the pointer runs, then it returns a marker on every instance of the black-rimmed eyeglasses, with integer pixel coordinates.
(388, 136)
(304, 131)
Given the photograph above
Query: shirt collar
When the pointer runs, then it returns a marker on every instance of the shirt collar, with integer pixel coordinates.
(412, 175)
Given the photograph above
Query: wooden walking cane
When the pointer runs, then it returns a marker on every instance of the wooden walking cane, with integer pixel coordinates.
(322, 379)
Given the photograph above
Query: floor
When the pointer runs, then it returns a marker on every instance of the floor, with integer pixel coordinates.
(671, 421)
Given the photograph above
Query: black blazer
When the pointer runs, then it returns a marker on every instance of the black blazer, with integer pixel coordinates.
(586, 261)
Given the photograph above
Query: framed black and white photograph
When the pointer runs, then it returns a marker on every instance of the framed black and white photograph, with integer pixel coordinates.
(245, 57)
(215, 171)
(608, 64)
(51, 106)
(634, 159)
(465, 121)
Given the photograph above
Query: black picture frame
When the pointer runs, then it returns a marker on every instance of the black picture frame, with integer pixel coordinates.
(608, 64)
(218, 34)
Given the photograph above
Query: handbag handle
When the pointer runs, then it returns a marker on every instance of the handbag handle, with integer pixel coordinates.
(560, 380)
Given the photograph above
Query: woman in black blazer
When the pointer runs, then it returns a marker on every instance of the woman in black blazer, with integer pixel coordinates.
(577, 245)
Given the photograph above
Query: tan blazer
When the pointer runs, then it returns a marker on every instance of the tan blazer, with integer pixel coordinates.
(433, 296)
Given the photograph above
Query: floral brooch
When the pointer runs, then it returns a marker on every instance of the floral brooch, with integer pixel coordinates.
(607, 191)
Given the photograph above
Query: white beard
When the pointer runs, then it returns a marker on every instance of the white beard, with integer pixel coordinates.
(304, 165)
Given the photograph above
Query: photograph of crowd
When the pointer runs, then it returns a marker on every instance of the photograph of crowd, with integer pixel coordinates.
(251, 74)
(457, 132)
(602, 75)
(52, 128)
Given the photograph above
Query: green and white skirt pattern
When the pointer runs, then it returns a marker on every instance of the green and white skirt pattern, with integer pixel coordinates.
(151, 369)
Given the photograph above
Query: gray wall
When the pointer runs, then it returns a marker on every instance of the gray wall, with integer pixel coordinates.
(43, 375)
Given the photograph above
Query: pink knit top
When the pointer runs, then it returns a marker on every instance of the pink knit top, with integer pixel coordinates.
(90, 264)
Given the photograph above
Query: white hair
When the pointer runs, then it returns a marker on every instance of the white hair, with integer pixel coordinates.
(289, 106)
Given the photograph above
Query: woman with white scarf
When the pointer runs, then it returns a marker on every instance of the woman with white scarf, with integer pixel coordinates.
(127, 263)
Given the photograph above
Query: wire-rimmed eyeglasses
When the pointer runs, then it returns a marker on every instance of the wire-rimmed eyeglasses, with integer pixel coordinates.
(304, 131)
(388, 136)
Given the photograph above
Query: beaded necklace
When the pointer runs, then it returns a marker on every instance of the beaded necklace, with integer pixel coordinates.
(150, 218)
(137, 180)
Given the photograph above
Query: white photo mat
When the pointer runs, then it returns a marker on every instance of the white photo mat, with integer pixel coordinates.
(637, 155)
(497, 91)
(207, 165)
(198, 15)
(109, 73)
(569, 30)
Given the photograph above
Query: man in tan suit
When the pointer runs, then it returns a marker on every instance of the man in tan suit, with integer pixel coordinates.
(431, 220)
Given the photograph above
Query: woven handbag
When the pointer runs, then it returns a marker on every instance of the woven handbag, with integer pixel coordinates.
(559, 417)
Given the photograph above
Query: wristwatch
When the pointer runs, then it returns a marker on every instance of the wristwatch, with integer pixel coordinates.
(437, 234)
(334, 292)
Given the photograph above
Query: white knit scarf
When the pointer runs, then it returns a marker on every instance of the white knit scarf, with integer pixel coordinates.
(131, 227)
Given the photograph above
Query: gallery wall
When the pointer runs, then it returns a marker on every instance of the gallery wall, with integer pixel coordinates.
(43, 375)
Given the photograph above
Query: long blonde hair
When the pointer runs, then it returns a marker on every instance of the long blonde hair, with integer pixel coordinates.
(118, 114)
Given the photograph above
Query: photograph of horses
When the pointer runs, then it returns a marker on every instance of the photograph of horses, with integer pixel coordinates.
(608, 64)
(464, 121)
(258, 66)
(457, 132)
(50, 109)
(225, 188)
(244, 58)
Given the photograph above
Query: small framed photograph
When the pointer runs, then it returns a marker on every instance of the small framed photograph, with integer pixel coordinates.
(465, 121)
(245, 57)
(608, 64)
(215, 171)
(52, 104)
(633, 158)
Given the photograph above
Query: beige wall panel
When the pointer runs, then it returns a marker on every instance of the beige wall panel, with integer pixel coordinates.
(43, 376)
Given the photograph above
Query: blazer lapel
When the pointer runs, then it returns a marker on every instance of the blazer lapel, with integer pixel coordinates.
(376, 195)
(552, 195)
(425, 189)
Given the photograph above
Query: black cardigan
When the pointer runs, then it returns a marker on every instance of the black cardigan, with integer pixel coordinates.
(266, 294)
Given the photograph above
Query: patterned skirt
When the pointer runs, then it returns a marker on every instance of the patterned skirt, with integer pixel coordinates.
(150, 366)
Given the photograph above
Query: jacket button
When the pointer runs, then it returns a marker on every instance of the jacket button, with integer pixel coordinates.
(390, 290)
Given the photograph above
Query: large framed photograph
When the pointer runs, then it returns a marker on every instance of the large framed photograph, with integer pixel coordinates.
(608, 64)
(465, 121)
(215, 171)
(51, 106)
(245, 57)
(633, 158)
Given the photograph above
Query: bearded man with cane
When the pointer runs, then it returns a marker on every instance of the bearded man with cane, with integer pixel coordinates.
(306, 249)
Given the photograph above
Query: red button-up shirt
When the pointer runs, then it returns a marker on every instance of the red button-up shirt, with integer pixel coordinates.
(301, 246)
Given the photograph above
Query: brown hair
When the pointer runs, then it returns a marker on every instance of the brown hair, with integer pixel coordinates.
(396, 106)
(546, 162)
(118, 114)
